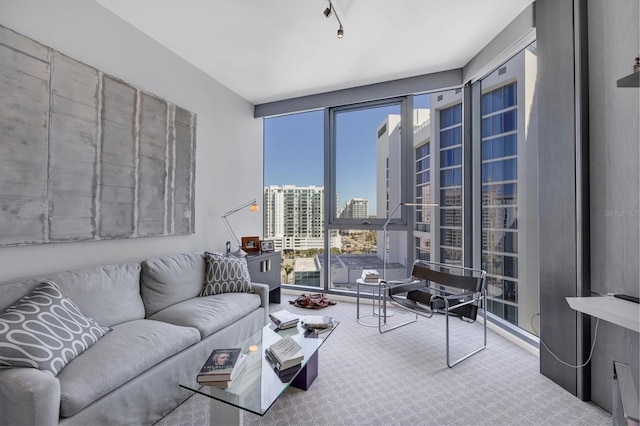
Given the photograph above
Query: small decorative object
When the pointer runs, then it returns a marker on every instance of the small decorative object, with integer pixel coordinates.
(636, 66)
(312, 301)
(251, 244)
(227, 249)
(266, 246)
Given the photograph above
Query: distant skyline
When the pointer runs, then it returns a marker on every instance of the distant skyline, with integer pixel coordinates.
(294, 150)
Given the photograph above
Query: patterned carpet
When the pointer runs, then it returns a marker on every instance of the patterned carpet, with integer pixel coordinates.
(401, 378)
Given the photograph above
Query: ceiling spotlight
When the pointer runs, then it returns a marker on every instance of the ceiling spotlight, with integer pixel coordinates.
(328, 11)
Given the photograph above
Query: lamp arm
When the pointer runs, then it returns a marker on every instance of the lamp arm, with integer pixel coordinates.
(230, 212)
(237, 209)
(386, 233)
(391, 216)
(233, 234)
(384, 242)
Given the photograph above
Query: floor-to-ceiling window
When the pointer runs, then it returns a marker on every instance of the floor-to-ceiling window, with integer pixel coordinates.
(437, 144)
(509, 235)
(294, 193)
(422, 153)
(366, 169)
(333, 177)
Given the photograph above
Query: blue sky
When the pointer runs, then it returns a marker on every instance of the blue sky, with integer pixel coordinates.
(294, 150)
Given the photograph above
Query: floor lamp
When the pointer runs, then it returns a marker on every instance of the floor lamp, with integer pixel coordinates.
(386, 233)
(254, 208)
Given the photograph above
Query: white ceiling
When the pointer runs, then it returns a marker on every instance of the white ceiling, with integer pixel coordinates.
(268, 50)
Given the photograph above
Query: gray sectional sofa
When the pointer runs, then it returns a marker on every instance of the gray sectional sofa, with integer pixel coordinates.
(161, 334)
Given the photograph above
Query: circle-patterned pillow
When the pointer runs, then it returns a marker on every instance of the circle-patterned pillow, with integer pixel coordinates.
(45, 330)
(226, 274)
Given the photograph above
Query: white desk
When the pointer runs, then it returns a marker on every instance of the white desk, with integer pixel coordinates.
(609, 308)
(625, 314)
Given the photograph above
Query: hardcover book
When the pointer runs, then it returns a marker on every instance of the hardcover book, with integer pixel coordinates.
(286, 352)
(370, 275)
(283, 319)
(277, 366)
(220, 381)
(317, 321)
(221, 363)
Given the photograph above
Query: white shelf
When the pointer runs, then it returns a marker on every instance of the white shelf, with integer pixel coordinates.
(609, 308)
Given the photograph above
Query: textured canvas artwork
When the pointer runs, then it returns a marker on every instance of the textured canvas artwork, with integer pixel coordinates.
(86, 156)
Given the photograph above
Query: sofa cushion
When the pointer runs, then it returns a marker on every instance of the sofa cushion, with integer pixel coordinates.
(45, 330)
(109, 294)
(168, 280)
(226, 274)
(129, 350)
(209, 314)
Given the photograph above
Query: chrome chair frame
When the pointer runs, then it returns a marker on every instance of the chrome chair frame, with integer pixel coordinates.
(473, 292)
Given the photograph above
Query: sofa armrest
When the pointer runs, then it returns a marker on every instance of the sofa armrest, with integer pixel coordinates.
(29, 397)
(263, 291)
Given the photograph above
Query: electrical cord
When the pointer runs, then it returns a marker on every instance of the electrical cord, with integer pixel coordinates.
(595, 338)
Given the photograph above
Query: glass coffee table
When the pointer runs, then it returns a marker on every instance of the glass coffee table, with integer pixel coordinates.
(259, 385)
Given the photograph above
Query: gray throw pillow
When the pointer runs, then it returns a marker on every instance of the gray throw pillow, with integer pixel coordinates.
(226, 274)
(45, 330)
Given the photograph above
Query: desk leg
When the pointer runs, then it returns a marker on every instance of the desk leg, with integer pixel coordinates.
(308, 374)
(224, 414)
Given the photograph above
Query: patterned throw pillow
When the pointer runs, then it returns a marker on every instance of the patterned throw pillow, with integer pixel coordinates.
(226, 274)
(45, 330)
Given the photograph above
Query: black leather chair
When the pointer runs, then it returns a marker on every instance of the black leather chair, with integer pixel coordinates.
(454, 291)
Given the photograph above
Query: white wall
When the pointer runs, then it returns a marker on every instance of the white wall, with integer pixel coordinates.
(229, 140)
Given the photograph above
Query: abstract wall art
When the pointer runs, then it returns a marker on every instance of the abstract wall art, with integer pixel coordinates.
(86, 156)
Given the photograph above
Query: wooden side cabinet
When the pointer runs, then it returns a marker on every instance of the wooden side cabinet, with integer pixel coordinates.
(264, 268)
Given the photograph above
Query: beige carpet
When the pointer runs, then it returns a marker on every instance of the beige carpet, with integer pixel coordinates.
(401, 378)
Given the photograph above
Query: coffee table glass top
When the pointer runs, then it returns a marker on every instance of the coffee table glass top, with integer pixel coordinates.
(258, 386)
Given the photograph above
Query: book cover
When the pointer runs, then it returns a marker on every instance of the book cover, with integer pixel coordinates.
(277, 366)
(370, 275)
(221, 362)
(283, 318)
(224, 381)
(286, 351)
(317, 321)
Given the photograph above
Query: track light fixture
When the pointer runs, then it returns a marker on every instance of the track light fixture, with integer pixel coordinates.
(328, 11)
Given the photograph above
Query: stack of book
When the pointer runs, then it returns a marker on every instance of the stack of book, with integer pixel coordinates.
(285, 357)
(370, 276)
(318, 323)
(222, 367)
(284, 319)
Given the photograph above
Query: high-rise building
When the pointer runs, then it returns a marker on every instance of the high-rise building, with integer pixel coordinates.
(294, 217)
(355, 208)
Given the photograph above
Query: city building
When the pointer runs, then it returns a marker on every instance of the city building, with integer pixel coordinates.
(355, 208)
(294, 217)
